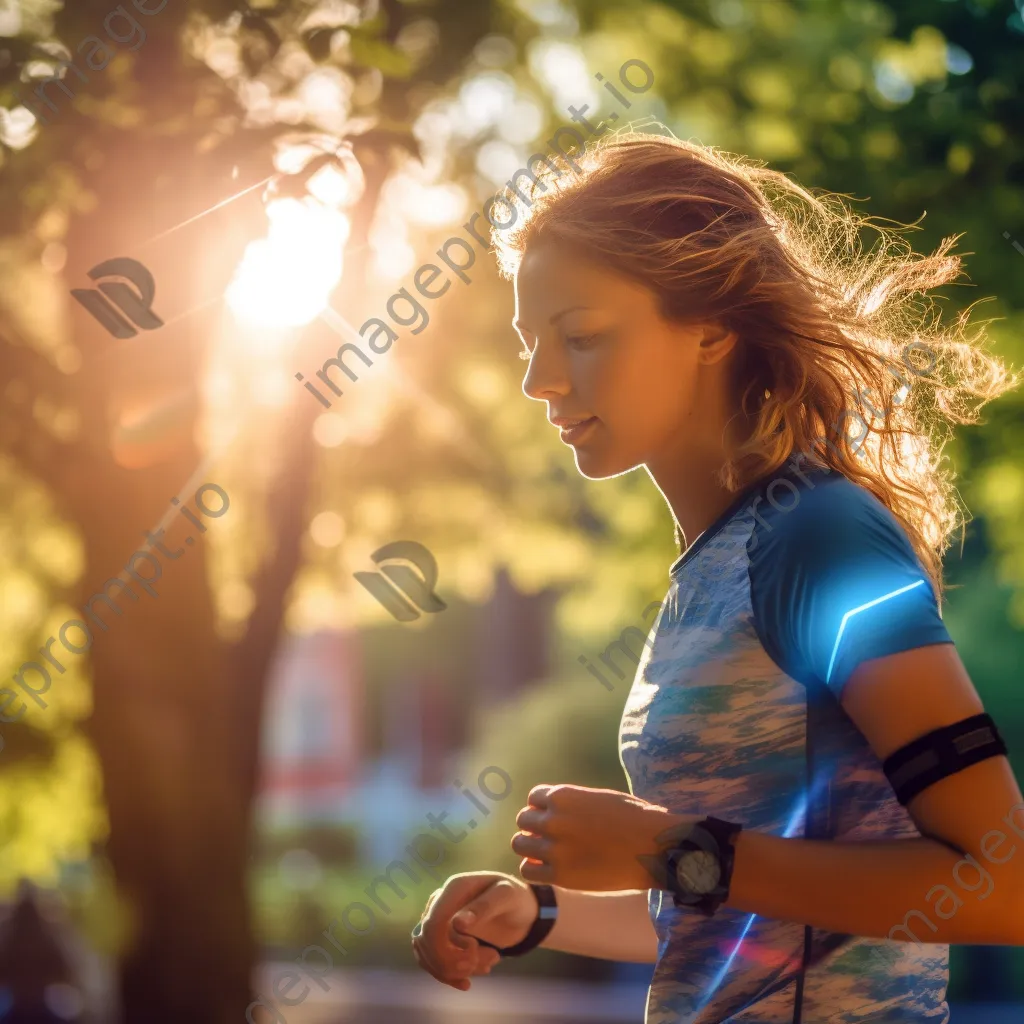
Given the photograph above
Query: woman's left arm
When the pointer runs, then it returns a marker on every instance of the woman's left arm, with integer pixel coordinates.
(961, 882)
(872, 888)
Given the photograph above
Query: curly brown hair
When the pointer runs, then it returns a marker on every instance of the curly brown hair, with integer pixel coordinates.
(823, 323)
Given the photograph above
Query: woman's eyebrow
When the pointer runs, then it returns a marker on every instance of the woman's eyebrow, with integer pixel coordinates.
(571, 309)
(558, 316)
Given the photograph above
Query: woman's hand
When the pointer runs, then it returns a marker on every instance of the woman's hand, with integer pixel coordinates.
(502, 914)
(485, 904)
(597, 840)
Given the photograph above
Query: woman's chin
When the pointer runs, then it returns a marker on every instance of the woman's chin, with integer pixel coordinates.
(596, 465)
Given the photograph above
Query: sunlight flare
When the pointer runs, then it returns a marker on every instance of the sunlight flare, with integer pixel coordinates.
(285, 279)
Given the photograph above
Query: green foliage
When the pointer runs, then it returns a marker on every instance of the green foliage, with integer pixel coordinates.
(375, 54)
(329, 844)
(288, 920)
(557, 732)
(51, 807)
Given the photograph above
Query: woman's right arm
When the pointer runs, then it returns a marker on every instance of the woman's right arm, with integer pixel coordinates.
(500, 908)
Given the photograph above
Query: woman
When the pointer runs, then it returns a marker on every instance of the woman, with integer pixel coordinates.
(814, 784)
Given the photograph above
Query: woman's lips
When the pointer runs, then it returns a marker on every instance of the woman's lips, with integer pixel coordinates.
(573, 434)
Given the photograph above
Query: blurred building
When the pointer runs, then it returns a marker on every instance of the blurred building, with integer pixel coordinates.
(312, 734)
(364, 728)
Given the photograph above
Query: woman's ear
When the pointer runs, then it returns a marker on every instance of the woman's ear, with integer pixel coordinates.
(717, 341)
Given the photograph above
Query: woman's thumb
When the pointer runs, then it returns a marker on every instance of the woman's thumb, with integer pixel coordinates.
(488, 904)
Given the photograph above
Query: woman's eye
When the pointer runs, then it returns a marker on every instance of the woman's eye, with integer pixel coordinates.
(579, 340)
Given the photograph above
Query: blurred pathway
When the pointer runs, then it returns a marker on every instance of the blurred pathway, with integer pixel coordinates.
(407, 997)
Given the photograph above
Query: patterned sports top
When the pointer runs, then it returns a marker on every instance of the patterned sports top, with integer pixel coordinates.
(801, 579)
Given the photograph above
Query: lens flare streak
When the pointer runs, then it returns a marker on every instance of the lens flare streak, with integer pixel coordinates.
(798, 814)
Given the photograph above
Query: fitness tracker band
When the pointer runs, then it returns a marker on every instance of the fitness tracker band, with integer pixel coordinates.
(547, 913)
(941, 753)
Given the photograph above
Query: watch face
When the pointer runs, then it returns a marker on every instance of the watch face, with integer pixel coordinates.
(698, 872)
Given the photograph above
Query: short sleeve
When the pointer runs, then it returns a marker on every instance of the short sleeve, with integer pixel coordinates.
(835, 581)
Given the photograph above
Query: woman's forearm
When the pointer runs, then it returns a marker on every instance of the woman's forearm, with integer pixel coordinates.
(909, 889)
(607, 925)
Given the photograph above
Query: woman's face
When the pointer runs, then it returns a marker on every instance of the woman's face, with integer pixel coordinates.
(627, 382)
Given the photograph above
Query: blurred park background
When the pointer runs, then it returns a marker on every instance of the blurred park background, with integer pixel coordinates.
(232, 762)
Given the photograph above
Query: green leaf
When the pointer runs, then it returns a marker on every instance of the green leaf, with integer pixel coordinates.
(375, 53)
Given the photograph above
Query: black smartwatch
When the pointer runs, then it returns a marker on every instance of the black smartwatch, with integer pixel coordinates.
(547, 913)
(697, 868)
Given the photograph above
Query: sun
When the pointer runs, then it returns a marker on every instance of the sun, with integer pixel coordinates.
(285, 279)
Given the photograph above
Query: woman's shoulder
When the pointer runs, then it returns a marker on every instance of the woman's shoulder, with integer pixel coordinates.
(825, 550)
(810, 508)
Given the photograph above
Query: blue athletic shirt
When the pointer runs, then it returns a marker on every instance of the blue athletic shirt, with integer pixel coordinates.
(802, 578)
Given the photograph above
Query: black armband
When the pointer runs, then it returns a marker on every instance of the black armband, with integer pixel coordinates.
(940, 753)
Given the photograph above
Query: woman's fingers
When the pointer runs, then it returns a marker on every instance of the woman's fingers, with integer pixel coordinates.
(437, 932)
(530, 819)
(501, 915)
(446, 974)
(532, 846)
(492, 902)
(479, 961)
(447, 955)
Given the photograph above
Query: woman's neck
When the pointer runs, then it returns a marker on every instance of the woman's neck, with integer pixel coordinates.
(691, 486)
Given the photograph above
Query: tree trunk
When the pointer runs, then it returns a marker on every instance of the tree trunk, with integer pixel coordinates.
(177, 711)
(162, 681)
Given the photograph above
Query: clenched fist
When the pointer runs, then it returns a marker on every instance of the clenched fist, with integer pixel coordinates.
(486, 905)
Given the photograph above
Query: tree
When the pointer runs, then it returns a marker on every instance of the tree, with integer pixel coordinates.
(159, 136)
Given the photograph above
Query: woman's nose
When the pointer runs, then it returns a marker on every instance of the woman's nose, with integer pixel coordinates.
(547, 375)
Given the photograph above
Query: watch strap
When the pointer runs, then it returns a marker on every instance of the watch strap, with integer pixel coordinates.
(547, 913)
(724, 833)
